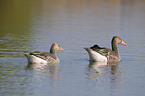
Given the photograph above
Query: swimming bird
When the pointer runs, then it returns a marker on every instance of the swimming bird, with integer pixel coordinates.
(102, 54)
(44, 57)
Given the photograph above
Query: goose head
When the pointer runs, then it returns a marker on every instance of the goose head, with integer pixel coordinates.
(118, 40)
(55, 47)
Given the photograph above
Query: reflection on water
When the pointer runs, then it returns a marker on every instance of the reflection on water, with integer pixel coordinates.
(51, 70)
(97, 68)
(31, 26)
(39, 67)
(101, 74)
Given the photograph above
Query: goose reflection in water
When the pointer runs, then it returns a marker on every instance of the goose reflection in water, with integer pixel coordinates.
(98, 65)
(50, 71)
(100, 68)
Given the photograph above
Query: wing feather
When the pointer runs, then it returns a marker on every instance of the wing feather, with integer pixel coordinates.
(104, 51)
(43, 55)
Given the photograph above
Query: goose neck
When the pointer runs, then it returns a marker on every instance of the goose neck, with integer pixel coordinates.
(115, 48)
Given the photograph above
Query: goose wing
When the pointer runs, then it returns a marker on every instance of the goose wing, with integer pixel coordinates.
(43, 55)
(104, 51)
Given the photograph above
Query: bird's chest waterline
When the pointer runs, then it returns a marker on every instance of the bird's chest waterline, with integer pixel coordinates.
(95, 56)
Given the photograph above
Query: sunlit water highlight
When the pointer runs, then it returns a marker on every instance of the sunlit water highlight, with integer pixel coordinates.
(30, 26)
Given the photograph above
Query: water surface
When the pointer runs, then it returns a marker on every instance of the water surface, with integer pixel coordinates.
(75, 24)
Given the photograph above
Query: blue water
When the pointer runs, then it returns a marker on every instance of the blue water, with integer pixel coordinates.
(74, 24)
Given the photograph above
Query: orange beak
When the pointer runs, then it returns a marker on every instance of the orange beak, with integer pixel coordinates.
(122, 43)
(61, 49)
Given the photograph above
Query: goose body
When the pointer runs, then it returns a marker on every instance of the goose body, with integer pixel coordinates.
(44, 57)
(102, 54)
(95, 56)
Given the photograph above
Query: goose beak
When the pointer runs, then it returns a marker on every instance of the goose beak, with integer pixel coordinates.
(61, 49)
(123, 43)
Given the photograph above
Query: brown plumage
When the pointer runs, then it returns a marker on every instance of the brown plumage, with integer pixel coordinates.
(45, 57)
(111, 55)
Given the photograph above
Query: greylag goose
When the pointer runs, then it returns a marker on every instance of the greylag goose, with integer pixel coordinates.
(44, 57)
(97, 53)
